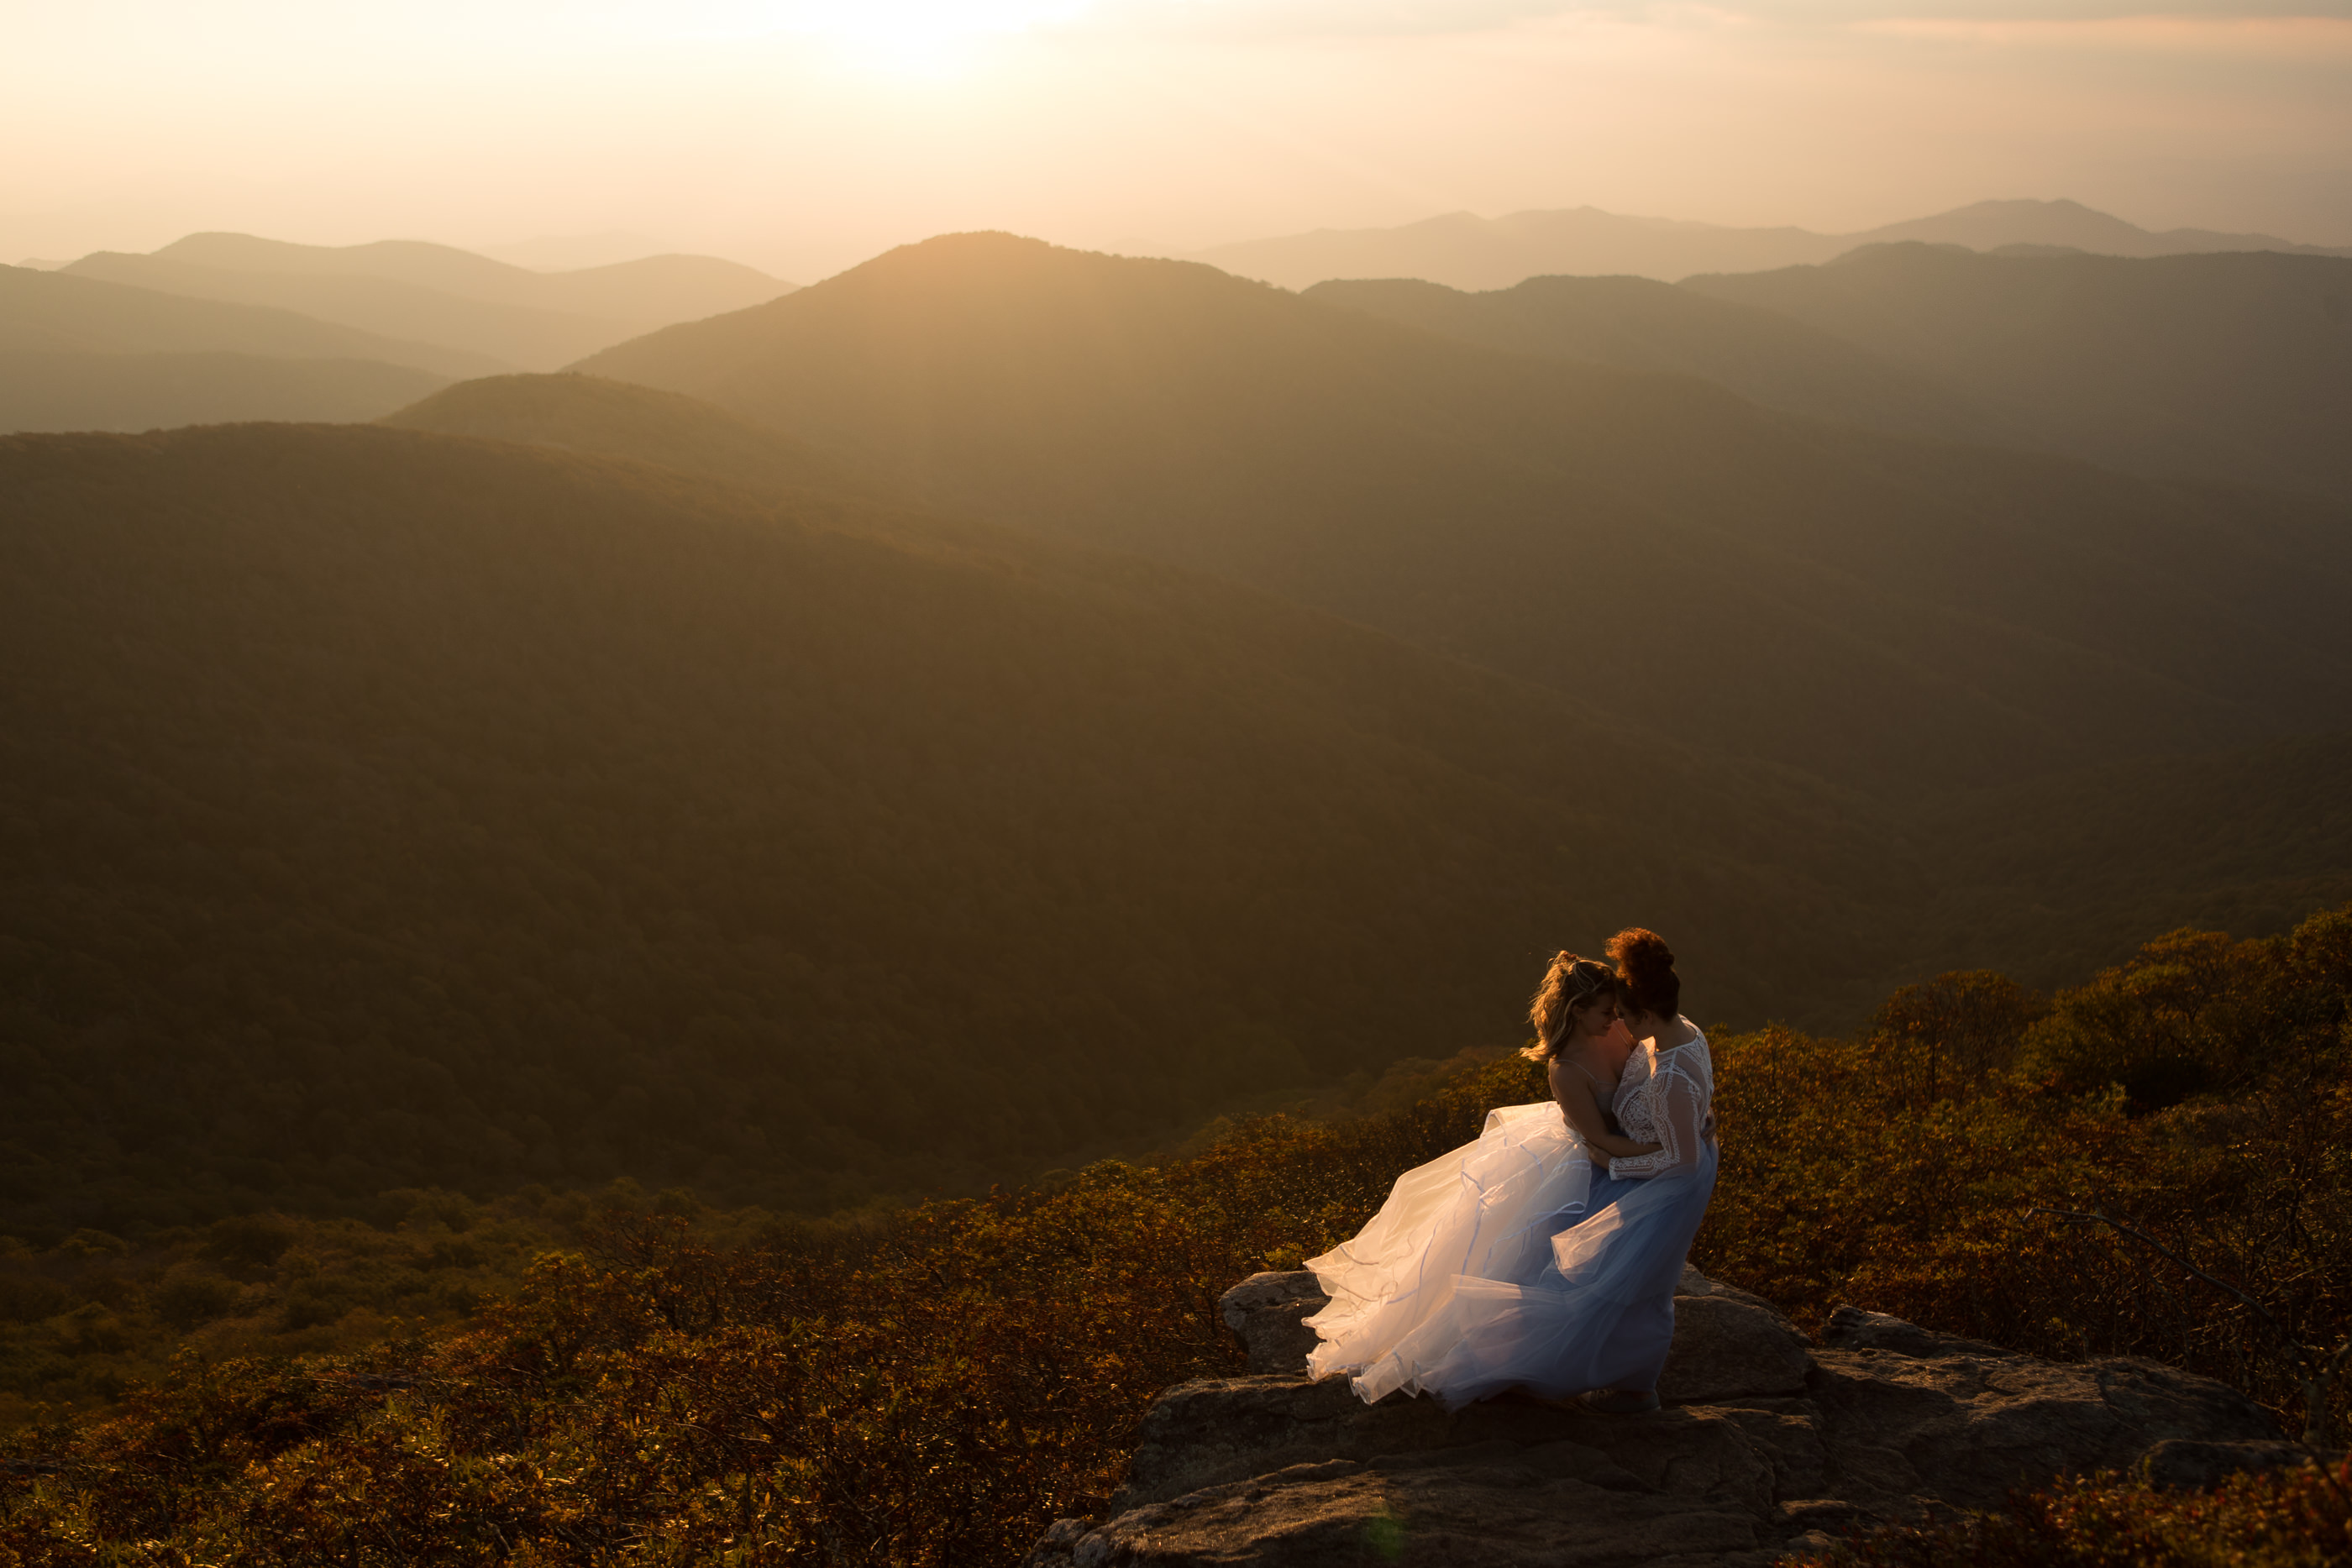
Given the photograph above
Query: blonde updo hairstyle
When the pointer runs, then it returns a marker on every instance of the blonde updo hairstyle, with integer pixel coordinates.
(1645, 972)
(1570, 986)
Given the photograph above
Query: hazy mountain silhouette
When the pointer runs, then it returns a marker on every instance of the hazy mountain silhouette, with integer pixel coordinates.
(1462, 250)
(570, 253)
(51, 311)
(62, 390)
(438, 294)
(654, 289)
(1893, 614)
(1990, 225)
(1640, 324)
(387, 808)
(513, 336)
(2229, 366)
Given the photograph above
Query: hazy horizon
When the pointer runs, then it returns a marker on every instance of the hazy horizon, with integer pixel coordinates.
(802, 136)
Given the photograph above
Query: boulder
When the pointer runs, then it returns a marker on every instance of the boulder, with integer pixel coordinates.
(1771, 1445)
(1266, 1312)
(1729, 1345)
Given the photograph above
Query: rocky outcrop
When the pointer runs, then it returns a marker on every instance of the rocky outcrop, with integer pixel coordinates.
(1769, 1443)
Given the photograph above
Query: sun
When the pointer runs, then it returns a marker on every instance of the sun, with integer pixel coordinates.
(919, 37)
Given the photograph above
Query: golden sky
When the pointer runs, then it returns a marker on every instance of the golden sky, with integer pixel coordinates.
(803, 135)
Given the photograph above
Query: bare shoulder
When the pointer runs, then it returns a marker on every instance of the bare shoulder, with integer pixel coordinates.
(1680, 1033)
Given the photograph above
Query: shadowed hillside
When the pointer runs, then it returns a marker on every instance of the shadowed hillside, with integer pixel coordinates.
(2234, 367)
(1896, 615)
(384, 810)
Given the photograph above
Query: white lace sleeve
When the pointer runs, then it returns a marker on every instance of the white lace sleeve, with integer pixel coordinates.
(1678, 1107)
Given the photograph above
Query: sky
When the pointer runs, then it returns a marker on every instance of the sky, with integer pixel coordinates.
(802, 136)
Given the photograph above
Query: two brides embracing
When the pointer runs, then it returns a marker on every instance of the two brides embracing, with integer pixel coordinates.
(1542, 1258)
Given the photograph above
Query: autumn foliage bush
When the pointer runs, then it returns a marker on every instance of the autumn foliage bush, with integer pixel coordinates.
(932, 1387)
(2294, 1520)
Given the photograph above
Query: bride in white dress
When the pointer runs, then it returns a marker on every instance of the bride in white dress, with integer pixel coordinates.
(1543, 1257)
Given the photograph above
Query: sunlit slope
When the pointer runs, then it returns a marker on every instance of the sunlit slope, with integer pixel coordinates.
(619, 419)
(1895, 614)
(2231, 366)
(383, 809)
(1639, 324)
(62, 390)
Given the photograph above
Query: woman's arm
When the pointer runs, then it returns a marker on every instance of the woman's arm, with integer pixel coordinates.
(1574, 1094)
(1682, 1118)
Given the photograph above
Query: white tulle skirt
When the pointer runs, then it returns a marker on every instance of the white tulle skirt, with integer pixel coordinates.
(1510, 1263)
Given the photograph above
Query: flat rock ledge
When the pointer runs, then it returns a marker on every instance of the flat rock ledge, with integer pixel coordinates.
(1768, 1444)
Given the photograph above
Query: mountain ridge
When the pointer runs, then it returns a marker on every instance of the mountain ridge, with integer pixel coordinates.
(57, 310)
(1464, 251)
(416, 289)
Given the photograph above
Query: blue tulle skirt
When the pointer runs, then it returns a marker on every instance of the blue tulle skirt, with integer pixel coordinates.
(1511, 1264)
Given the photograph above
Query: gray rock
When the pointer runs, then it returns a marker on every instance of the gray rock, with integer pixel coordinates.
(1850, 1328)
(1890, 1424)
(1906, 1433)
(1266, 1311)
(1728, 1345)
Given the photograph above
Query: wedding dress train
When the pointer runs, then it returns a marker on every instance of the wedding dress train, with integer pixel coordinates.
(1512, 1263)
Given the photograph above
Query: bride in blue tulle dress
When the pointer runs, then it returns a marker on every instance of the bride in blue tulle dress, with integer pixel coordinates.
(1543, 1257)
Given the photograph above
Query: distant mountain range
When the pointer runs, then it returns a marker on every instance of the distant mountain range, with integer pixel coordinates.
(1892, 615)
(57, 311)
(77, 353)
(2235, 367)
(407, 288)
(217, 307)
(1003, 704)
(1462, 250)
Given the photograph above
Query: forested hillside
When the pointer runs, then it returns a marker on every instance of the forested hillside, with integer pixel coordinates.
(384, 810)
(1894, 616)
(2046, 877)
